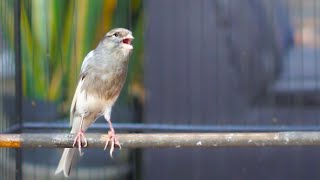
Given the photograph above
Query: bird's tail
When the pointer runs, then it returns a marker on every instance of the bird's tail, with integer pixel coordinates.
(66, 161)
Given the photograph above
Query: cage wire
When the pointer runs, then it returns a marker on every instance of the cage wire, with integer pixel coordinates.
(7, 91)
(41, 163)
(207, 66)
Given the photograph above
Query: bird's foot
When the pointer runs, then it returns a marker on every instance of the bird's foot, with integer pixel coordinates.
(78, 139)
(112, 138)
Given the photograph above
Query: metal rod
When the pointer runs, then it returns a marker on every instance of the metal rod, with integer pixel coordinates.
(166, 140)
(175, 127)
(18, 81)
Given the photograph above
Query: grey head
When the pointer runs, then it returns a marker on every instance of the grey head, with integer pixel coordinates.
(118, 38)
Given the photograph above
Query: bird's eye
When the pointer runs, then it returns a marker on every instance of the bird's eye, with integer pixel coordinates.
(116, 34)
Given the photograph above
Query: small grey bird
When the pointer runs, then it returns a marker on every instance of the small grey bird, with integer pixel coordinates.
(103, 73)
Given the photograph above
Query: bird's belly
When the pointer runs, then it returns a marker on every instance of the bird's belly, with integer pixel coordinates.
(99, 94)
(90, 104)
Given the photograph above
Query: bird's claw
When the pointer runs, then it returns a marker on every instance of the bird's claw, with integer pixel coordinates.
(112, 138)
(78, 139)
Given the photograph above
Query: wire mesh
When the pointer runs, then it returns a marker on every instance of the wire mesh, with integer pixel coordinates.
(240, 64)
(8, 99)
(206, 66)
(38, 73)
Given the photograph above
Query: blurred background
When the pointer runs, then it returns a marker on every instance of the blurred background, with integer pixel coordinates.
(199, 66)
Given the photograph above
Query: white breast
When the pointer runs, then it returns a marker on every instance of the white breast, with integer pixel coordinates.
(87, 103)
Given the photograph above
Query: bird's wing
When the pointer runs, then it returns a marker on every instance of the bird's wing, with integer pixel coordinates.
(84, 65)
(74, 100)
(83, 71)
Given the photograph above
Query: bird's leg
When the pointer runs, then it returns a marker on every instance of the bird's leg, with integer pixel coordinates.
(80, 137)
(112, 138)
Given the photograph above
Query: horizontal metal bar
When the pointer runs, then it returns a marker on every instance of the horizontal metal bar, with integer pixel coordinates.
(12, 129)
(162, 140)
(131, 127)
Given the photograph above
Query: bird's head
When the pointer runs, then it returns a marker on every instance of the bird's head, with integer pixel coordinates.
(119, 38)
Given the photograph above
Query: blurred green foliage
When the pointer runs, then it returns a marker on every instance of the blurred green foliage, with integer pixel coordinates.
(56, 35)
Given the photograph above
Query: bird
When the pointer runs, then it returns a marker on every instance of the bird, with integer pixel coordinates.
(102, 75)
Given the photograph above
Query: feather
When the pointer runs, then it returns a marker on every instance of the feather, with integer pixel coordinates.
(84, 68)
(74, 100)
(66, 162)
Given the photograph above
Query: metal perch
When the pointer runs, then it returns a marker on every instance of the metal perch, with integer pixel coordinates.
(165, 140)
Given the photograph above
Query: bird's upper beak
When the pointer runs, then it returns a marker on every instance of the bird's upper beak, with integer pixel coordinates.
(129, 36)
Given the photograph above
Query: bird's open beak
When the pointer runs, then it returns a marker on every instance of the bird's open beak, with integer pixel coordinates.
(127, 41)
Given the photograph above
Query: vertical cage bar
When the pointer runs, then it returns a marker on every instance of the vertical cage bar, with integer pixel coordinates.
(18, 82)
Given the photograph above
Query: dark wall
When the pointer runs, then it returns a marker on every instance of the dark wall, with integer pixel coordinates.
(212, 62)
(206, 60)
